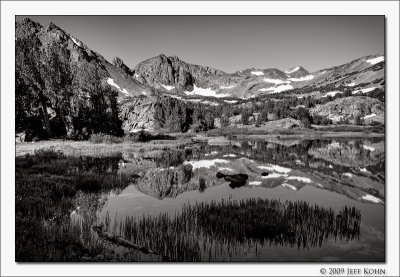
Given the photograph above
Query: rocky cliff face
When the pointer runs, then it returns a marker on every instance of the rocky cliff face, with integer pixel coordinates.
(173, 75)
(117, 62)
(348, 108)
(137, 114)
(71, 88)
(297, 72)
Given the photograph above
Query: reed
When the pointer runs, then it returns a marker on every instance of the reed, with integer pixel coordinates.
(208, 231)
(46, 184)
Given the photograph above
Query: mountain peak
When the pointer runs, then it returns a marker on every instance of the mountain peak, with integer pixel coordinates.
(51, 26)
(174, 58)
(297, 71)
(117, 62)
(293, 69)
(28, 21)
(161, 56)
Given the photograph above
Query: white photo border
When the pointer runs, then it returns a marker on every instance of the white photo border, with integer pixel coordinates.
(10, 9)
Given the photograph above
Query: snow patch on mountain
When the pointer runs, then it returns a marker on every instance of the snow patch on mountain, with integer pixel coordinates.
(369, 148)
(205, 163)
(289, 186)
(267, 89)
(111, 82)
(231, 101)
(277, 168)
(205, 92)
(332, 93)
(376, 60)
(369, 116)
(75, 41)
(283, 88)
(371, 198)
(226, 168)
(124, 91)
(363, 169)
(301, 179)
(301, 79)
(257, 73)
(294, 69)
(275, 81)
(351, 84)
(364, 90)
(277, 89)
(168, 87)
(174, 96)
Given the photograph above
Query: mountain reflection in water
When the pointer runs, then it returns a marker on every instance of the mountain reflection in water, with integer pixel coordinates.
(168, 187)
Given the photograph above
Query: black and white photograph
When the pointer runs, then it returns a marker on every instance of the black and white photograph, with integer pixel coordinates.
(201, 139)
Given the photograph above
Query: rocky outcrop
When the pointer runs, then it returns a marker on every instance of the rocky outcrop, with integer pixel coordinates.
(285, 124)
(297, 72)
(117, 62)
(137, 114)
(172, 74)
(349, 108)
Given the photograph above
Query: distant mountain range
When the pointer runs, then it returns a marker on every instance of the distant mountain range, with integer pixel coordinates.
(170, 75)
(165, 75)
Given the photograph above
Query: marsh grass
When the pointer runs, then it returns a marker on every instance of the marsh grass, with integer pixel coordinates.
(209, 231)
(86, 148)
(141, 136)
(46, 183)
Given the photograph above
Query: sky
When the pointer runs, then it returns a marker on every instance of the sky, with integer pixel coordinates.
(229, 43)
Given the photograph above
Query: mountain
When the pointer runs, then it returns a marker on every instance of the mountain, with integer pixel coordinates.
(63, 88)
(175, 76)
(172, 75)
(66, 84)
(297, 72)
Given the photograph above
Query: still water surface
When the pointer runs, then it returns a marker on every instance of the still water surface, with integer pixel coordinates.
(328, 173)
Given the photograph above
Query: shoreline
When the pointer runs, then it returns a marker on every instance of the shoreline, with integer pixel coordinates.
(315, 135)
(72, 147)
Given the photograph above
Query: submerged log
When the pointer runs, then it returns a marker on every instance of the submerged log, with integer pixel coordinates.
(125, 243)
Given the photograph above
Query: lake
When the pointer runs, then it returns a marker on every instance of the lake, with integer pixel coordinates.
(256, 201)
